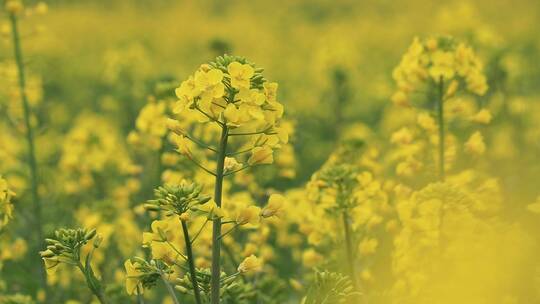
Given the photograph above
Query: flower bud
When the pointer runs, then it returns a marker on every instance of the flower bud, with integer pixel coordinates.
(14, 7)
(90, 234)
(46, 254)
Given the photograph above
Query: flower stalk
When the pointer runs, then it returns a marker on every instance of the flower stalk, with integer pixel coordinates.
(440, 120)
(349, 247)
(191, 262)
(170, 290)
(30, 141)
(216, 228)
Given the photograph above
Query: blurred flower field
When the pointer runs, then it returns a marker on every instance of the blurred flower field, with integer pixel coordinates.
(312, 152)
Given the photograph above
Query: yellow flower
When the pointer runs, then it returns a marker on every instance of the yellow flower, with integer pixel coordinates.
(132, 278)
(452, 89)
(14, 6)
(400, 99)
(270, 91)
(42, 8)
(368, 246)
(184, 217)
(366, 275)
(310, 258)
(403, 136)
(475, 144)
(427, 122)
(250, 264)
(163, 251)
(442, 65)
(249, 215)
(212, 209)
(231, 164)
(233, 116)
(482, 117)
(253, 96)
(275, 203)
(183, 144)
(187, 90)
(534, 207)
(240, 75)
(209, 84)
(431, 44)
(261, 155)
(476, 82)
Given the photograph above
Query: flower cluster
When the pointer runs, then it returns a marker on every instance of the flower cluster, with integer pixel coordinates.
(141, 274)
(440, 61)
(232, 92)
(178, 199)
(66, 247)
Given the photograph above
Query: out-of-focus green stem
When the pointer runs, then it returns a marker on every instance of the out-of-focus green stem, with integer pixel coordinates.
(32, 163)
(440, 119)
(348, 244)
(216, 228)
(169, 289)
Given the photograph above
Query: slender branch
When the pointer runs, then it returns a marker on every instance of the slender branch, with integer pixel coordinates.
(237, 170)
(228, 231)
(253, 133)
(169, 289)
(216, 227)
(348, 244)
(201, 166)
(199, 232)
(191, 262)
(217, 104)
(176, 250)
(240, 152)
(199, 142)
(30, 144)
(210, 117)
(440, 117)
(230, 276)
(227, 222)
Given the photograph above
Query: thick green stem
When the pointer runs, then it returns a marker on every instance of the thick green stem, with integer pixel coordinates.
(440, 119)
(216, 229)
(30, 144)
(191, 262)
(349, 247)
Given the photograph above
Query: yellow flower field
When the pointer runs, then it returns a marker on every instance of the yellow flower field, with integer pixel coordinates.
(238, 152)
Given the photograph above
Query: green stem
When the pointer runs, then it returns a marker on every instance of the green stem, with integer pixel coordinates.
(216, 228)
(96, 290)
(169, 289)
(30, 143)
(440, 118)
(191, 262)
(140, 299)
(349, 247)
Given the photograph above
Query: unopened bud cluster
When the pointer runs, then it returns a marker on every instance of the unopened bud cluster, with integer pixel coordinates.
(177, 199)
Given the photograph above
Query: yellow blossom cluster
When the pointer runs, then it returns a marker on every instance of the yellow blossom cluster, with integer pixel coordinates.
(441, 61)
